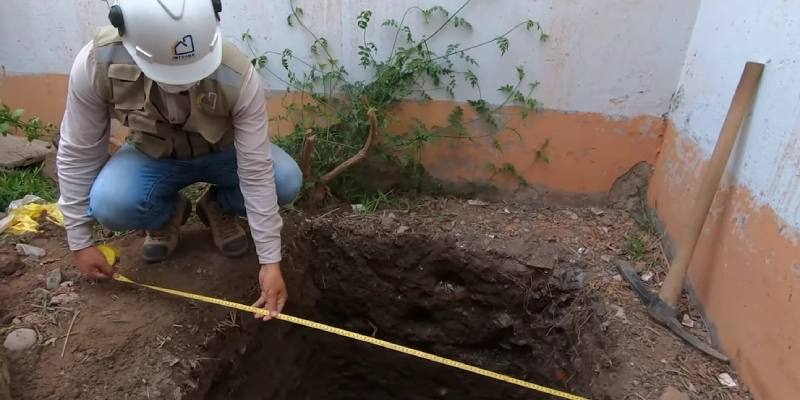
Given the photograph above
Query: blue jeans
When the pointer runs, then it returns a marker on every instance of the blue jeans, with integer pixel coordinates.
(134, 191)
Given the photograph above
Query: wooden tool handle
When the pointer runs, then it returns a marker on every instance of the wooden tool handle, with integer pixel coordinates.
(740, 105)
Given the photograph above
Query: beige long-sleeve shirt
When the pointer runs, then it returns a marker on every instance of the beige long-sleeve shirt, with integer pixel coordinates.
(83, 147)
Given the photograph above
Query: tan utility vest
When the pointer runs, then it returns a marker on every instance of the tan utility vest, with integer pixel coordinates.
(133, 102)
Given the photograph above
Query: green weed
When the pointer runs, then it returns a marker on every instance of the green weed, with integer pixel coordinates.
(16, 183)
(328, 99)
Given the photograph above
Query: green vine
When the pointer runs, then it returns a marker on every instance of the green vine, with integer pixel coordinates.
(327, 102)
(12, 120)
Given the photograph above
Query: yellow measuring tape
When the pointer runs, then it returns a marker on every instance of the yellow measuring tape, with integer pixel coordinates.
(112, 255)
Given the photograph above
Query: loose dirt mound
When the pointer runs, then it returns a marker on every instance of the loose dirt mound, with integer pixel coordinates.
(526, 292)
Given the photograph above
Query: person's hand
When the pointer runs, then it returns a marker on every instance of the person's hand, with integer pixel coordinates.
(273, 291)
(93, 263)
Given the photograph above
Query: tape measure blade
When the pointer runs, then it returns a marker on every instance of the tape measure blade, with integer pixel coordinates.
(363, 338)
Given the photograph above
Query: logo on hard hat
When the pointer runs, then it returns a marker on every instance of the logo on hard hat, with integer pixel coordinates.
(183, 49)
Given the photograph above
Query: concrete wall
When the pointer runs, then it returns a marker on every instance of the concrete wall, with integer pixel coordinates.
(607, 74)
(618, 58)
(747, 265)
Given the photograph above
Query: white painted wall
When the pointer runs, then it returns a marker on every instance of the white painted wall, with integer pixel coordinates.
(728, 34)
(618, 57)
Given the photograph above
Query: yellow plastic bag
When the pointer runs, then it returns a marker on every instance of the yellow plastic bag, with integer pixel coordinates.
(23, 218)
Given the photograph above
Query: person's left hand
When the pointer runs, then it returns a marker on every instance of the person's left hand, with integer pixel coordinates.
(273, 291)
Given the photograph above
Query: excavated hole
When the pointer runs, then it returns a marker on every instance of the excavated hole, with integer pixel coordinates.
(477, 309)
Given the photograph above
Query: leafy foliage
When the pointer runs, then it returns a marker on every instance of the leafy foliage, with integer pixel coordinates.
(32, 127)
(327, 101)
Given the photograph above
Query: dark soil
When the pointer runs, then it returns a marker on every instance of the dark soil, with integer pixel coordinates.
(528, 292)
(433, 297)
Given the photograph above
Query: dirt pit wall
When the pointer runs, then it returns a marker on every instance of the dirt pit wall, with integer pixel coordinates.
(428, 294)
(529, 292)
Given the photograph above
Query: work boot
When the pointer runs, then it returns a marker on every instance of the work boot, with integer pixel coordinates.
(159, 245)
(229, 237)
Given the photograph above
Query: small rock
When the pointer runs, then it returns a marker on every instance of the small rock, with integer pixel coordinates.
(9, 264)
(617, 277)
(504, 320)
(670, 393)
(606, 258)
(726, 379)
(40, 294)
(647, 276)
(61, 290)
(402, 229)
(30, 251)
(638, 266)
(20, 339)
(16, 321)
(621, 314)
(476, 202)
(67, 284)
(53, 279)
(386, 222)
(570, 214)
(687, 321)
(540, 263)
(9, 318)
(171, 360)
(63, 298)
(597, 211)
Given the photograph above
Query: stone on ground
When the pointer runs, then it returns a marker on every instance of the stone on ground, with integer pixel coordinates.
(16, 151)
(20, 339)
(53, 279)
(670, 393)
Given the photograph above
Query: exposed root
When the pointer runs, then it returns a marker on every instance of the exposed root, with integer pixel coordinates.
(308, 148)
(362, 154)
(321, 190)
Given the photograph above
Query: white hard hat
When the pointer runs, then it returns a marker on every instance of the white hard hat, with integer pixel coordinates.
(175, 42)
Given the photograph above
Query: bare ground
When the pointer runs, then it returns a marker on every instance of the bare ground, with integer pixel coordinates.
(131, 343)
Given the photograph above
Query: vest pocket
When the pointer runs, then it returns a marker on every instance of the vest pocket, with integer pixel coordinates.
(127, 86)
(149, 144)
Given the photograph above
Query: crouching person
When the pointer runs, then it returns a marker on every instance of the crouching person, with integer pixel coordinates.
(196, 112)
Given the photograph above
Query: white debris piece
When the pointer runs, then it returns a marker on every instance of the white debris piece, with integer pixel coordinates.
(726, 379)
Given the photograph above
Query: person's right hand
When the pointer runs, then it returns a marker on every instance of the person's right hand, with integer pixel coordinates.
(93, 264)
